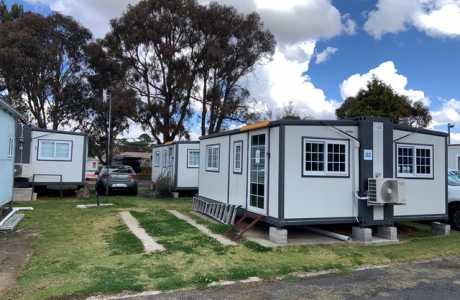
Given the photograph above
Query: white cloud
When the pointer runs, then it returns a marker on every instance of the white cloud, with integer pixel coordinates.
(281, 83)
(435, 17)
(386, 72)
(325, 54)
(449, 112)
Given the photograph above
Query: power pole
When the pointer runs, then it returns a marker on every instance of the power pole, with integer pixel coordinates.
(107, 98)
(449, 126)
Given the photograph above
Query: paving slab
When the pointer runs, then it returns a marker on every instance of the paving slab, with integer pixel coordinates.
(150, 244)
(205, 230)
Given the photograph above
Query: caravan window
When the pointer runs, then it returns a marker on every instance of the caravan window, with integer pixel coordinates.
(238, 157)
(325, 157)
(193, 158)
(212, 158)
(11, 147)
(165, 158)
(414, 161)
(156, 159)
(54, 150)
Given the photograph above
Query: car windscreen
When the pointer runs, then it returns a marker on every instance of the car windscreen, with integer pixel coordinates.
(120, 171)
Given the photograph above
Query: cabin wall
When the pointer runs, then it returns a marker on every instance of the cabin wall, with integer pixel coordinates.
(214, 184)
(72, 171)
(454, 157)
(238, 180)
(424, 196)
(273, 184)
(7, 124)
(187, 178)
(164, 168)
(318, 196)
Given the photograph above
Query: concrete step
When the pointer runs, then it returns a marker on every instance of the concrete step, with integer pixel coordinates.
(24, 194)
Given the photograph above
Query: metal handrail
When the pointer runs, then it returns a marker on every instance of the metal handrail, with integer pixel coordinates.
(55, 175)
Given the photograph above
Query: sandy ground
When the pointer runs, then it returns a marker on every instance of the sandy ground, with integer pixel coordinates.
(430, 280)
(15, 250)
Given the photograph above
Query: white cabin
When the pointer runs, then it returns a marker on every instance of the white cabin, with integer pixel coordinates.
(454, 156)
(8, 117)
(50, 158)
(317, 172)
(178, 161)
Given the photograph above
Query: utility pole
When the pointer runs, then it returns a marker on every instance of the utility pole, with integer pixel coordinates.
(449, 126)
(107, 98)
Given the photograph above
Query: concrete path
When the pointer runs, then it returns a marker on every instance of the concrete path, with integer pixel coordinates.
(150, 244)
(205, 230)
(421, 281)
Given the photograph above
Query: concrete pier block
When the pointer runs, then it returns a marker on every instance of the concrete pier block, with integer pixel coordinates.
(175, 195)
(362, 234)
(438, 228)
(387, 232)
(278, 235)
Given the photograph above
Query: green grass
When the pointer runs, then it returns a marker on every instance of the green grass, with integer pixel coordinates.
(77, 253)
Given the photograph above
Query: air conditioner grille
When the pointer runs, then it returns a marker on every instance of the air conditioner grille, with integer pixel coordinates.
(372, 190)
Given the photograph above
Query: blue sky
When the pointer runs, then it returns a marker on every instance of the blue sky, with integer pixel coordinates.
(413, 45)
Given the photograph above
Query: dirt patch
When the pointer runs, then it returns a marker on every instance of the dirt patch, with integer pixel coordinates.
(15, 250)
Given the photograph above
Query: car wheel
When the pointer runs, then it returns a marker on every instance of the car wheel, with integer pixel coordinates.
(134, 192)
(455, 217)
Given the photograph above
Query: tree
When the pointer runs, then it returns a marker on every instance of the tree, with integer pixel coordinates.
(42, 64)
(289, 113)
(380, 100)
(176, 48)
(93, 119)
(6, 15)
(232, 44)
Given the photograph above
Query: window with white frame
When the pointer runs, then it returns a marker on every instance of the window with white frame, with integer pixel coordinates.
(212, 158)
(238, 157)
(54, 150)
(193, 158)
(414, 160)
(157, 159)
(322, 157)
(10, 147)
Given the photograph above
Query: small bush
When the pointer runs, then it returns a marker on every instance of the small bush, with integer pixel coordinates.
(163, 186)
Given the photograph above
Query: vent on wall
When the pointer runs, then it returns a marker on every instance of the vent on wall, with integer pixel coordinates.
(386, 191)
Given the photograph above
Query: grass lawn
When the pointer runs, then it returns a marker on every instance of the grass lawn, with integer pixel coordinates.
(86, 252)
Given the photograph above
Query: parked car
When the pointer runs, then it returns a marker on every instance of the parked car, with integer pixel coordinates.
(454, 197)
(116, 179)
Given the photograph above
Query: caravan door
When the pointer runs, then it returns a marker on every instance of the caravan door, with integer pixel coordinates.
(257, 165)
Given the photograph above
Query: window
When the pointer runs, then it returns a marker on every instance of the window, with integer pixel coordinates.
(10, 147)
(414, 161)
(54, 150)
(238, 157)
(157, 159)
(325, 157)
(193, 158)
(165, 158)
(212, 158)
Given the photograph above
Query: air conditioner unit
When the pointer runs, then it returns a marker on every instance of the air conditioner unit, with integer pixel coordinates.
(23, 170)
(386, 191)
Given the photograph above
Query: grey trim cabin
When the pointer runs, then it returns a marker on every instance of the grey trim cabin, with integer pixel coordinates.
(179, 161)
(65, 170)
(316, 172)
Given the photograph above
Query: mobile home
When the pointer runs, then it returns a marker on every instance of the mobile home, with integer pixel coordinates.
(454, 156)
(367, 171)
(50, 159)
(8, 118)
(178, 161)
